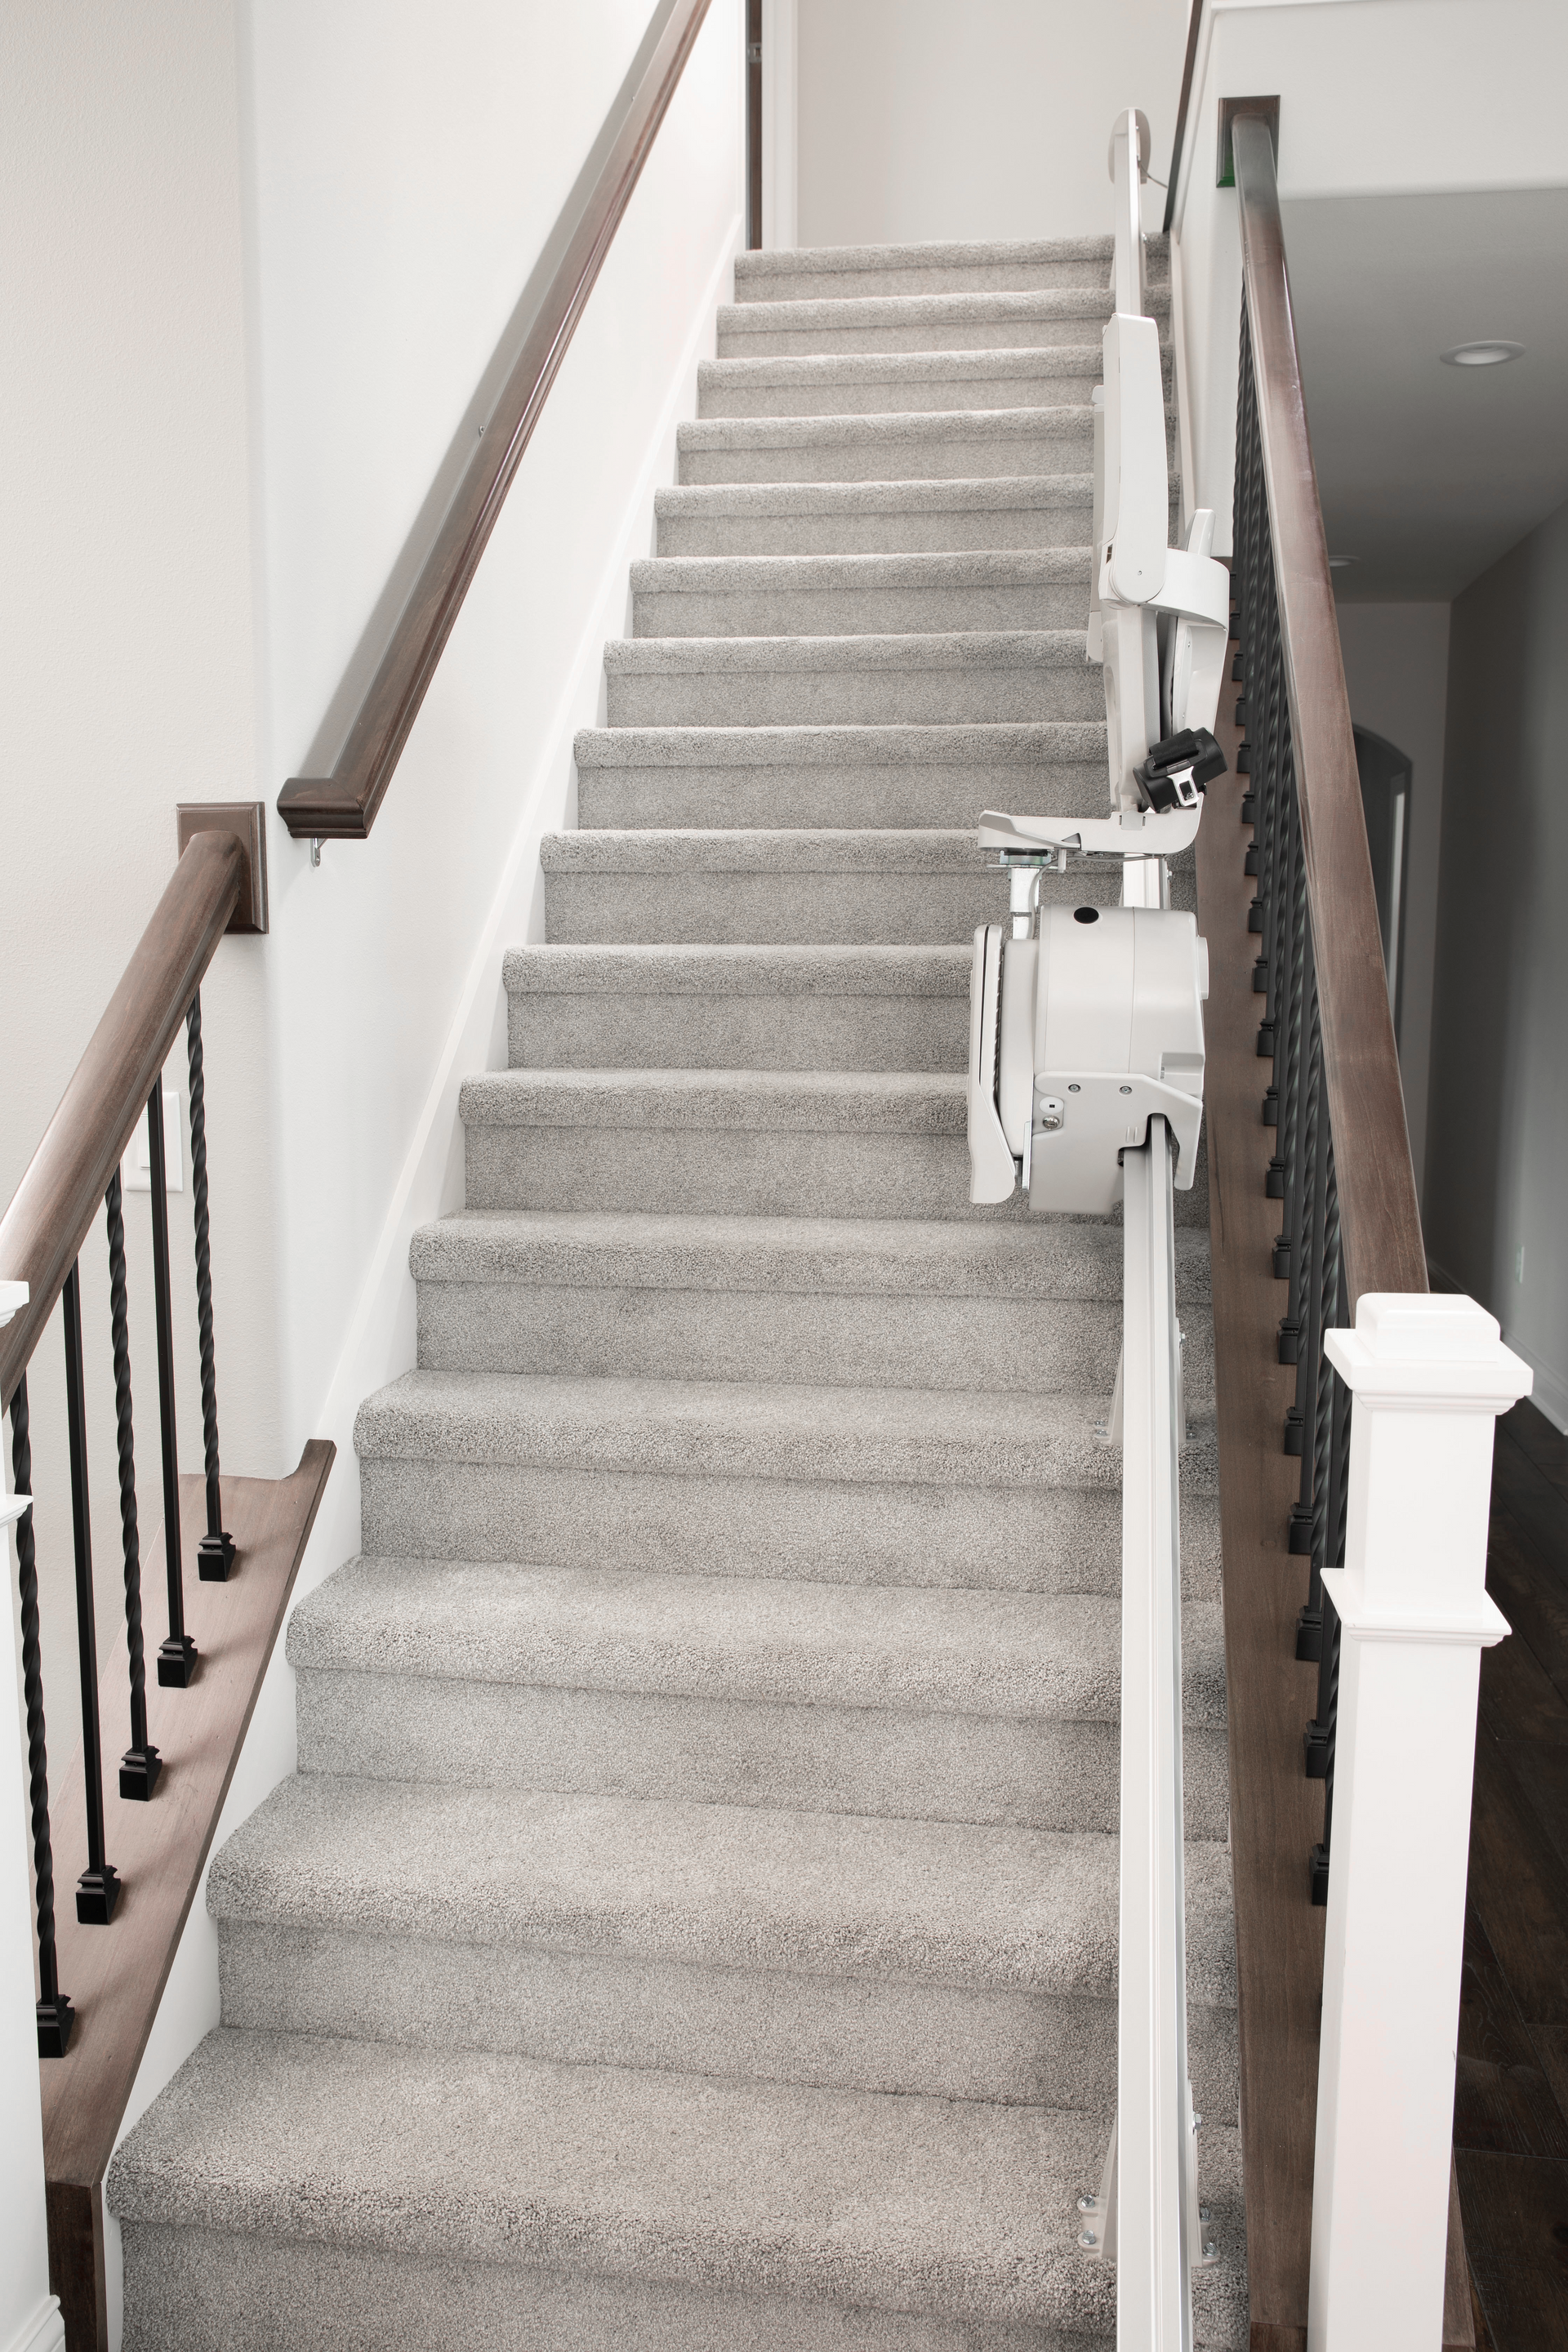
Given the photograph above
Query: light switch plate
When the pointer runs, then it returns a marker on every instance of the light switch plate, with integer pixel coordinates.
(136, 1170)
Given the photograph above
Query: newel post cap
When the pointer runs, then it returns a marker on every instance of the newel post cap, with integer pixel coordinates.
(1425, 1348)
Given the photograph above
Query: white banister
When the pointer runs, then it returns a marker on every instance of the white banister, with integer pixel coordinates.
(1428, 1376)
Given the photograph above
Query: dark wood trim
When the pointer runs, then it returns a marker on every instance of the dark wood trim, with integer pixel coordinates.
(115, 1976)
(343, 806)
(1379, 1218)
(62, 1193)
(247, 820)
(1179, 137)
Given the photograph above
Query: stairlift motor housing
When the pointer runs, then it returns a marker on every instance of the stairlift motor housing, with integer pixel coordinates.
(1076, 1037)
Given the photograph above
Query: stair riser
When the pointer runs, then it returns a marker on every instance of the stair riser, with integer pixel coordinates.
(745, 1335)
(777, 794)
(846, 697)
(898, 1765)
(958, 455)
(773, 910)
(1011, 275)
(861, 612)
(854, 909)
(873, 531)
(894, 395)
(751, 332)
(944, 2041)
(193, 2290)
(738, 1033)
(1038, 1539)
(769, 1173)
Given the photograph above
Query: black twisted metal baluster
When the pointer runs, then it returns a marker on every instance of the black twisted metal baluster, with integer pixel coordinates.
(1307, 1265)
(56, 2015)
(1277, 1181)
(1330, 1497)
(141, 1764)
(98, 1888)
(177, 1654)
(215, 1554)
(1310, 1519)
(1319, 1861)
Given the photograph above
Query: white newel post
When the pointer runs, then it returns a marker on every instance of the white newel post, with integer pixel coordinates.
(1429, 1376)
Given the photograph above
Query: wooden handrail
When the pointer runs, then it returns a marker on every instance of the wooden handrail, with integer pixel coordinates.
(1380, 1220)
(1179, 137)
(62, 1193)
(343, 806)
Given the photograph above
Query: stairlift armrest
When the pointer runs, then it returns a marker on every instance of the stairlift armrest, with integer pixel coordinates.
(1195, 588)
(1135, 521)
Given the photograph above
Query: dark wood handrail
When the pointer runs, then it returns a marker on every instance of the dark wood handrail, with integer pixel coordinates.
(1179, 137)
(1380, 1220)
(343, 806)
(62, 1193)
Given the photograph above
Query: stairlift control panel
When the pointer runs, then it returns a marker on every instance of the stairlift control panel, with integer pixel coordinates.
(1077, 1034)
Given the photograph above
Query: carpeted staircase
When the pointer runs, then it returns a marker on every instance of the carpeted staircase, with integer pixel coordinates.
(693, 1927)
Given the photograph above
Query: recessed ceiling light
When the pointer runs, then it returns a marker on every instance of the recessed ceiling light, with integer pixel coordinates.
(1492, 355)
(1339, 563)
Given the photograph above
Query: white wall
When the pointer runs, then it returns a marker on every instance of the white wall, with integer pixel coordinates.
(258, 262)
(919, 119)
(1497, 1144)
(130, 683)
(1396, 673)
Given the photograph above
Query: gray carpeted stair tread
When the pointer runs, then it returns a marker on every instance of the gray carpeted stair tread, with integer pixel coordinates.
(736, 970)
(1026, 746)
(798, 271)
(944, 444)
(1056, 1258)
(855, 2198)
(868, 383)
(866, 325)
(860, 596)
(866, 851)
(888, 1648)
(722, 1006)
(733, 1429)
(817, 777)
(811, 1102)
(709, 1886)
(946, 678)
(784, 518)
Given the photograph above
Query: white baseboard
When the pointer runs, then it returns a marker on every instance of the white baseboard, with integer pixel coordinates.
(44, 2330)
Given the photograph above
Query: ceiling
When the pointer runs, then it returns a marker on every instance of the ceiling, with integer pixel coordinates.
(1427, 473)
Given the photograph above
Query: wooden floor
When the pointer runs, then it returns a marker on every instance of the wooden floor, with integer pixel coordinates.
(1511, 2109)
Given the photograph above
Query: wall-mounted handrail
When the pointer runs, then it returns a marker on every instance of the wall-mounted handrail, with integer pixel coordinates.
(63, 1192)
(1379, 1218)
(342, 805)
(1179, 137)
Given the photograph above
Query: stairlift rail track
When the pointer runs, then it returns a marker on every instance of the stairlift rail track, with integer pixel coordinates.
(1159, 2231)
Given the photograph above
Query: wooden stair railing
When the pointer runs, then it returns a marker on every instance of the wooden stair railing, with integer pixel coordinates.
(343, 804)
(131, 1866)
(1313, 1204)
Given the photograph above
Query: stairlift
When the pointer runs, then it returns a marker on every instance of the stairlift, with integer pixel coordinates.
(1083, 1021)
